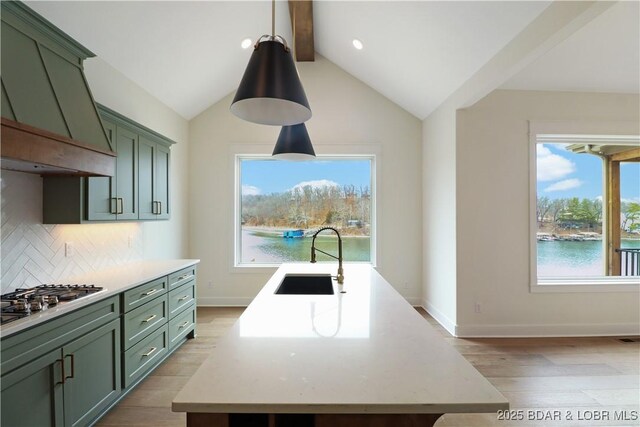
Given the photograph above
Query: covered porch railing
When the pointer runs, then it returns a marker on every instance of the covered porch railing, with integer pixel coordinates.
(629, 262)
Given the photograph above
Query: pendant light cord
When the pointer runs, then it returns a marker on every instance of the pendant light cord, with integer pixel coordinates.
(273, 18)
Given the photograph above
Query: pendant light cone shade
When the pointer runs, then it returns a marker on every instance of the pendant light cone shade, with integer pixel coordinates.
(270, 92)
(294, 144)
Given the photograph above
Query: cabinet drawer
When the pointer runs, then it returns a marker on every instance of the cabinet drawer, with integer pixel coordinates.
(181, 326)
(143, 320)
(145, 355)
(182, 276)
(181, 297)
(141, 294)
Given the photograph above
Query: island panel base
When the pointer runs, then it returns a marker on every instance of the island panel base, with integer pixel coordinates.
(195, 419)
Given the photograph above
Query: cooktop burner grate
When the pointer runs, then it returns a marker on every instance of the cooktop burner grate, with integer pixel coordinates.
(22, 302)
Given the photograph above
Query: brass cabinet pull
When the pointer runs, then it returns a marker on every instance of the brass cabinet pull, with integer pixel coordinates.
(151, 292)
(62, 373)
(183, 325)
(153, 316)
(183, 298)
(150, 352)
(73, 366)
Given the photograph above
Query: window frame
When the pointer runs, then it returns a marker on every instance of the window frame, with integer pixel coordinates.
(371, 153)
(572, 132)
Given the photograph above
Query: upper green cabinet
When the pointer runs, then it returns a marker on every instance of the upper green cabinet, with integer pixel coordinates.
(139, 190)
(153, 179)
(115, 198)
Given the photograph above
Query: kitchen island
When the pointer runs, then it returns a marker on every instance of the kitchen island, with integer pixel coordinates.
(358, 358)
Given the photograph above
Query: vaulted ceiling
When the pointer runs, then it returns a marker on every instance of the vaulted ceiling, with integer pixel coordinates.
(602, 56)
(188, 55)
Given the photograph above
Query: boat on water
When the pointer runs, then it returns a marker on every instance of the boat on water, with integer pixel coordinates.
(291, 234)
(544, 237)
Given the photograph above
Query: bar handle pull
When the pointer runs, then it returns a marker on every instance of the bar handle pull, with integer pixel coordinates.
(150, 318)
(183, 325)
(62, 374)
(150, 352)
(73, 365)
(151, 292)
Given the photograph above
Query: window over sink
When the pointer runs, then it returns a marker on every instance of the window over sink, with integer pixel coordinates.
(280, 204)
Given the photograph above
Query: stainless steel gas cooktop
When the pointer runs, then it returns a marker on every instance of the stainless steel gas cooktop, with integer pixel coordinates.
(23, 302)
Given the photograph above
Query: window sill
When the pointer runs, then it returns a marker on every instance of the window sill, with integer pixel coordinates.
(605, 284)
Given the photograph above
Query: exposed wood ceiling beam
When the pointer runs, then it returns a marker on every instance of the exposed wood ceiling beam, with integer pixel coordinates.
(301, 13)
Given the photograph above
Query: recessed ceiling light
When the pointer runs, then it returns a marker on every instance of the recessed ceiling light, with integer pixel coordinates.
(246, 43)
(357, 44)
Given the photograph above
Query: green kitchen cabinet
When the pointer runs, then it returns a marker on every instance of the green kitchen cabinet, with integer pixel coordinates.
(65, 372)
(32, 395)
(139, 190)
(114, 198)
(70, 370)
(101, 191)
(153, 179)
(93, 376)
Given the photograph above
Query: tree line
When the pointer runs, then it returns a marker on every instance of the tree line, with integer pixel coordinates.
(584, 213)
(310, 207)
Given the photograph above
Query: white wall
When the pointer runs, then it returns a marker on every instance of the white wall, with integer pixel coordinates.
(33, 253)
(439, 216)
(162, 239)
(346, 112)
(492, 170)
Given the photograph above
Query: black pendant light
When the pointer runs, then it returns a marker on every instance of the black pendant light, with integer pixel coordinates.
(294, 144)
(270, 92)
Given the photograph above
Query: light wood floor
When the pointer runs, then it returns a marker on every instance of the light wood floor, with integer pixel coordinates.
(578, 376)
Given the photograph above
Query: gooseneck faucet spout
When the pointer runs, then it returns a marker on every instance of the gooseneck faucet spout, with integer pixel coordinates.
(339, 257)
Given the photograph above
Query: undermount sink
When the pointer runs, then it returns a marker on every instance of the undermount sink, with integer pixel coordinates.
(306, 284)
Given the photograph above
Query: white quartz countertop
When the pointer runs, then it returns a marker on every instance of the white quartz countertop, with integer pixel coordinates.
(363, 351)
(114, 280)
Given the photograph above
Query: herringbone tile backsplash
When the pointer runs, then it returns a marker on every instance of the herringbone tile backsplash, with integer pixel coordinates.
(34, 253)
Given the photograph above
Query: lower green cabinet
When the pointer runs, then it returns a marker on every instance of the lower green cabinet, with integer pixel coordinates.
(32, 395)
(145, 355)
(69, 371)
(68, 386)
(181, 326)
(92, 370)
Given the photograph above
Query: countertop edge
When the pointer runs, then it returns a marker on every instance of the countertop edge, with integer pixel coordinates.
(329, 408)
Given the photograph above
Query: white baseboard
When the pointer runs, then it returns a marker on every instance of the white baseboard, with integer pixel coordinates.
(553, 330)
(446, 323)
(414, 301)
(223, 301)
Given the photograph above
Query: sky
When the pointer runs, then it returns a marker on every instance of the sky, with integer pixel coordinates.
(266, 176)
(562, 174)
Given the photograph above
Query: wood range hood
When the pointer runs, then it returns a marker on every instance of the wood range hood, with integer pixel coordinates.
(50, 123)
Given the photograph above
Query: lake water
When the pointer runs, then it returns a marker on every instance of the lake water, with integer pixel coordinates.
(571, 259)
(555, 259)
(267, 248)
